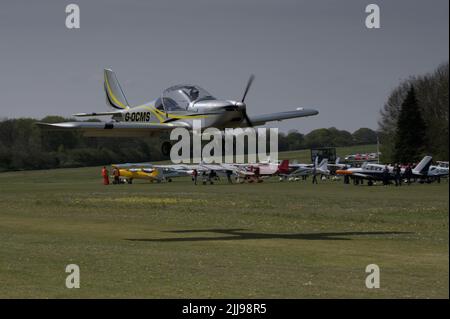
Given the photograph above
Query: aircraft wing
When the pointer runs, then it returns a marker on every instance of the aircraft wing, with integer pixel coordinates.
(262, 119)
(367, 176)
(133, 165)
(112, 129)
(98, 114)
(301, 171)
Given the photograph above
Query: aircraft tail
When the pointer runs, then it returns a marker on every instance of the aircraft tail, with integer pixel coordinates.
(323, 164)
(158, 174)
(284, 166)
(423, 166)
(114, 94)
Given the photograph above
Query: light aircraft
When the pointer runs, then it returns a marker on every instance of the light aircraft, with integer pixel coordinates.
(178, 106)
(373, 172)
(128, 174)
(265, 168)
(439, 170)
(297, 170)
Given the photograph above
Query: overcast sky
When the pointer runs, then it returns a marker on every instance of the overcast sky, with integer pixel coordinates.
(315, 54)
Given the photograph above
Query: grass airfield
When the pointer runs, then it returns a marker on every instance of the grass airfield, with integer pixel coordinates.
(177, 240)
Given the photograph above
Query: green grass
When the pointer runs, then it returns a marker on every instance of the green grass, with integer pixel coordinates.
(174, 240)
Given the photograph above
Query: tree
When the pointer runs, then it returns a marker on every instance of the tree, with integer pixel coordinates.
(319, 138)
(340, 137)
(295, 140)
(432, 95)
(364, 135)
(410, 132)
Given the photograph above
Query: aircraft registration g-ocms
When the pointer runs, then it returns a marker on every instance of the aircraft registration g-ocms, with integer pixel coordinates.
(178, 106)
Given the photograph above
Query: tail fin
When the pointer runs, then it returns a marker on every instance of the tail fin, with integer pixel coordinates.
(423, 166)
(284, 166)
(316, 161)
(323, 164)
(114, 94)
(155, 173)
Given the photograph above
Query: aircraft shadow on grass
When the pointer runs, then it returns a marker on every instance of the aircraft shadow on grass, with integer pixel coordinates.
(243, 234)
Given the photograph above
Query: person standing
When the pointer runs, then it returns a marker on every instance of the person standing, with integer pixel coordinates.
(105, 175)
(116, 173)
(211, 177)
(194, 176)
(204, 177)
(229, 173)
(314, 174)
(398, 175)
(408, 173)
(386, 175)
(257, 174)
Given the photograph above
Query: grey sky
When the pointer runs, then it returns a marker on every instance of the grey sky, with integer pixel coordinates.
(304, 53)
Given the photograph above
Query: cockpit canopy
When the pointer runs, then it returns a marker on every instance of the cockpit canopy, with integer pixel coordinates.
(182, 97)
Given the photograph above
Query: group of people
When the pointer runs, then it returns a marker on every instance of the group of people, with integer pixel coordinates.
(398, 176)
(105, 175)
(210, 177)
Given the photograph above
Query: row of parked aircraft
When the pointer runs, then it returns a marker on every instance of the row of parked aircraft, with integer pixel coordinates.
(241, 172)
(424, 170)
(362, 157)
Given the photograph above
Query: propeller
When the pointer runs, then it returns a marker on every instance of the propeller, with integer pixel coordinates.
(244, 108)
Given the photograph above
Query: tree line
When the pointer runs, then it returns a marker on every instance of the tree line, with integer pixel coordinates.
(24, 146)
(414, 119)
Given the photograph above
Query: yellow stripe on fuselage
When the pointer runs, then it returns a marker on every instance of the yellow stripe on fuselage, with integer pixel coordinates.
(174, 116)
(160, 115)
(153, 110)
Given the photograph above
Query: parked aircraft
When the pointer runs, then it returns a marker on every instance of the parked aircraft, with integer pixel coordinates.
(373, 172)
(299, 170)
(152, 174)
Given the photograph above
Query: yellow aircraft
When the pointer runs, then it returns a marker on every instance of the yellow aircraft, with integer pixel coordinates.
(129, 174)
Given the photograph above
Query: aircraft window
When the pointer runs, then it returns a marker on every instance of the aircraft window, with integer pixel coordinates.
(167, 104)
(184, 96)
(159, 105)
(172, 105)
